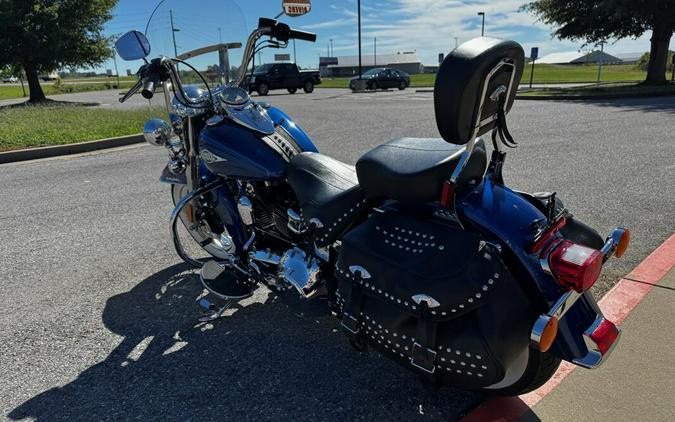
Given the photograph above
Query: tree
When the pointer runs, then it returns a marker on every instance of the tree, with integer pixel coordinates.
(46, 35)
(643, 62)
(597, 21)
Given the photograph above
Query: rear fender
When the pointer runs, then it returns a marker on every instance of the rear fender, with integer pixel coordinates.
(506, 217)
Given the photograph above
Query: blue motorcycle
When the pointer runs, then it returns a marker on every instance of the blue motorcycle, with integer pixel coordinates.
(421, 250)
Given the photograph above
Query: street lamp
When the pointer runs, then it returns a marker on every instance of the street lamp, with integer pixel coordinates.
(482, 29)
(455, 41)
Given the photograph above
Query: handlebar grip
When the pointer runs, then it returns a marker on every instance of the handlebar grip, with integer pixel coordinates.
(302, 35)
(148, 89)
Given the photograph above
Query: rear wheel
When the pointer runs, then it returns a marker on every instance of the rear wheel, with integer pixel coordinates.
(373, 86)
(263, 89)
(308, 87)
(292, 90)
(540, 368)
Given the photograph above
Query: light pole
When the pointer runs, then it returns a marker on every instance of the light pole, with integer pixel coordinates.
(482, 28)
(332, 50)
(116, 72)
(220, 35)
(456, 41)
(295, 60)
(375, 51)
(359, 23)
(602, 48)
(173, 33)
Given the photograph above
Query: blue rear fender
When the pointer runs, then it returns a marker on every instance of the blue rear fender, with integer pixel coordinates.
(506, 217)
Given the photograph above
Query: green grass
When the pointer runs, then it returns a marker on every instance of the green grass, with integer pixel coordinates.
(618, 90)
(65, 124)
(11, 91)
(543, 73)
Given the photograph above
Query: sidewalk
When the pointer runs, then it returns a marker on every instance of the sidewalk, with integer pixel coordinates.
(637, 382)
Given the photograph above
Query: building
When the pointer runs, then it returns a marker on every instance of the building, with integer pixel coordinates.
(349, 65)
(578, 57)
(629, 58)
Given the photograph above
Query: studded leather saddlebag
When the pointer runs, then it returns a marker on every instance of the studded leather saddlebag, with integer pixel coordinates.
(434, 297)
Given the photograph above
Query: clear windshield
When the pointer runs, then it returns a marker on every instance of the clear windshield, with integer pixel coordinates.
(198, 29)
(262, 69)
(372, 72)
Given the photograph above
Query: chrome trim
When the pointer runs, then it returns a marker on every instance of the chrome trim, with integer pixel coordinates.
(564, 304)
(543, 258)
(249, 242)
(538, 331)
(295, 223)
(463, 161)
(359, 271)
(266, 257)
(430, 301)
(248, 53)
(157, 132)
(316, 223)
(412, 359)
(594, 357)
(245, 208)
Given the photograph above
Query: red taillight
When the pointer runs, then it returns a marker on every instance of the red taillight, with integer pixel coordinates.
(574, 266)
(605, 335)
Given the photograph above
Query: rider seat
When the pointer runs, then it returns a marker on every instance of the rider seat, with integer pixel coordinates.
(414, 169)
(327, 190)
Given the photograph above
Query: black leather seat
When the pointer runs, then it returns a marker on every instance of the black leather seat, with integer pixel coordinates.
(414, 169)
(328, 190)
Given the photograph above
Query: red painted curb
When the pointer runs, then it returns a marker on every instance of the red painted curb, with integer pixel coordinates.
(616, 305)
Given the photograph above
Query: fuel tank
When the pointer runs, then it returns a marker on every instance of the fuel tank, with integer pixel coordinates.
(231, 150)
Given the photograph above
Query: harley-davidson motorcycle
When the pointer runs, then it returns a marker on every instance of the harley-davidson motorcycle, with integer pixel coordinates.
(421, 250)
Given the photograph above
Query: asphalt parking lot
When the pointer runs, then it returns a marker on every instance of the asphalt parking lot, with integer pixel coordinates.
(98, 318)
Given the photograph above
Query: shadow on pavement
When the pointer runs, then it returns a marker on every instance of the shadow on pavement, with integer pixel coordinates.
(259, 362)
(646, 104)
(50, 103)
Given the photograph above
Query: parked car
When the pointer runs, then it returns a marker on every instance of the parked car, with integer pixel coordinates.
(10, 80)
(272, 76)
(383, 78)
(51, 76)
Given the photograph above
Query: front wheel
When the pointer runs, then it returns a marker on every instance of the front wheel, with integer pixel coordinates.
(539, 368)
(402, 85)
(221, 247)
(308, 87)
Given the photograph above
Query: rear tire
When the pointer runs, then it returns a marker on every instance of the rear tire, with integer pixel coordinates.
(402, 85)
(263, 89)
(292, 90)
(373, 86)
(308, 87)
(540, 368)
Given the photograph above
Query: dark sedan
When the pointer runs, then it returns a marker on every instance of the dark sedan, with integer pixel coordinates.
(383, 78)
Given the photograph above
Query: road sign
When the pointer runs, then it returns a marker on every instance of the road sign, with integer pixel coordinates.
(441, 56)
(534, 54)
(282, 57)
(296, 7)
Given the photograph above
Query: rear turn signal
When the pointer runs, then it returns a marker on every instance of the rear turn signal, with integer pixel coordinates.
(574, 266)
(623, 243)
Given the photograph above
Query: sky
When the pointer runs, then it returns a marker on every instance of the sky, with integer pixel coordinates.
(428, 27)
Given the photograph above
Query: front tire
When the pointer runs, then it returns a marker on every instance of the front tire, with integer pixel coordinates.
(402, 85)
(308, 87)
(373, 86)
(540, 368)
(263, 89)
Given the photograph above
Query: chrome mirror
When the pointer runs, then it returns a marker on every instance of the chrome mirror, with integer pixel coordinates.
(295, 8)
(133, 46)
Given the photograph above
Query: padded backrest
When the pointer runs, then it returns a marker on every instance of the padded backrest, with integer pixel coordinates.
(466, 80)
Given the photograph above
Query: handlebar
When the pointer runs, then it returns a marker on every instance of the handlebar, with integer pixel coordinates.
(302, 35)
(132, 91)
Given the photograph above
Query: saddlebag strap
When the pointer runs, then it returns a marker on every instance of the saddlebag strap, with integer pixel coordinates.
(423, 351)
(351, 313)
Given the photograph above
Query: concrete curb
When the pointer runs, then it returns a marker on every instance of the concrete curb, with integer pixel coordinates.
(78, 148)
(590, 97)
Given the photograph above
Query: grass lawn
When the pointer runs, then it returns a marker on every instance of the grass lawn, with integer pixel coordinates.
(65, 124)
(543, 73)
(619, 90)
(14, 91)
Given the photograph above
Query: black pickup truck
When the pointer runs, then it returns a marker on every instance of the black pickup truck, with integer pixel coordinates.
(271, 76)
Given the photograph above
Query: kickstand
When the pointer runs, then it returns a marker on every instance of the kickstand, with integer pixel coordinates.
(214, 312)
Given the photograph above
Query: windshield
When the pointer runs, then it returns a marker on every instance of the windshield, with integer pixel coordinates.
(262, 68)
(198, 32)
(373, 72)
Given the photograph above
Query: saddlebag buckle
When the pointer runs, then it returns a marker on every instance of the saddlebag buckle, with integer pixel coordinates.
(350, 324)
(423, 358)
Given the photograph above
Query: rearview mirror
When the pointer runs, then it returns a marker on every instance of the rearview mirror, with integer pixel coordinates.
(133, 46)
(295, 8)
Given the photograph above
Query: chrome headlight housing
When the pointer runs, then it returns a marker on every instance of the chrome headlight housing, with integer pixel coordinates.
(157, 132)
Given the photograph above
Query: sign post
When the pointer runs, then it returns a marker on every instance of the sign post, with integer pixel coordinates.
(672, 78)
(296, 7)
(533, 55)
(282, 57)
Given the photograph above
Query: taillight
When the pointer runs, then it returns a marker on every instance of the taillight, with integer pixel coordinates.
(575, 266)
(604, 335)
